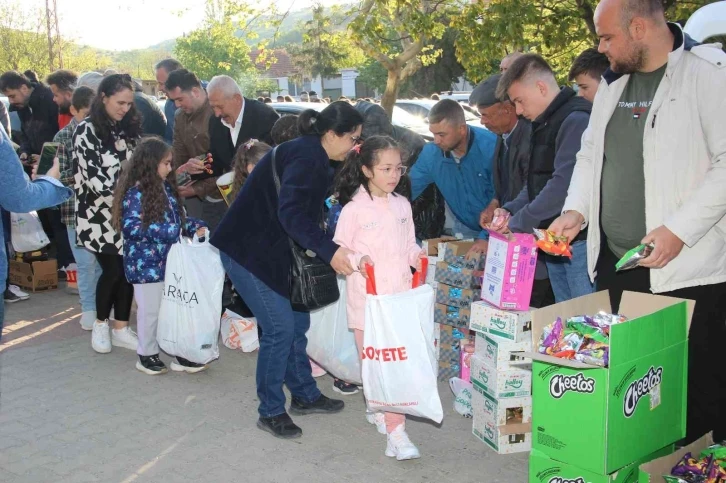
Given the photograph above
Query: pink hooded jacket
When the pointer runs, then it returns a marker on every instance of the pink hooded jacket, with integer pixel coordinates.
(383, 229)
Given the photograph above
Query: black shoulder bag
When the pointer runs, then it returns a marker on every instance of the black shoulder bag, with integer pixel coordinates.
(313, 283)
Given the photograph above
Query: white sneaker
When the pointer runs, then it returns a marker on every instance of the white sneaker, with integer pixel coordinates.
(400, 446)
(101, 337)
(378, 419)
(125, 338)
(19, 293)
(87, 320)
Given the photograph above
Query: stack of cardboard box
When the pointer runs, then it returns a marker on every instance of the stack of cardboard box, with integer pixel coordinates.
(502, 379)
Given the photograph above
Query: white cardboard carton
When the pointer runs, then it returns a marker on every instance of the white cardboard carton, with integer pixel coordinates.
(502, 411)
(498, 352)
(501, 384)
(513, 326)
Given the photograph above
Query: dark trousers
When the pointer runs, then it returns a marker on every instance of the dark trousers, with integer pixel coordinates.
(55, 229)
(113, 291)
(706, 375)
(283, 355)
(542, 294)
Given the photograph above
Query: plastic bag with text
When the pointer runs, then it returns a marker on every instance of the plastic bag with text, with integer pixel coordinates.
(239, 332)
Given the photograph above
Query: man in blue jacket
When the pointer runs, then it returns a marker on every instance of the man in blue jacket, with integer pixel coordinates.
(459, 162)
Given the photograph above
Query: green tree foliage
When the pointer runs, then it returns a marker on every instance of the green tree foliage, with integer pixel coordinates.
(23, 40)
(556, 29)
(214, 48)
(399, 34)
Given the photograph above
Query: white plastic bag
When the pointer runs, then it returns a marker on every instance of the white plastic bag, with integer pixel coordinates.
(462, 396)
(239, 332)
(331, 343)
(399, 365)
(26, 232)
(192, 301)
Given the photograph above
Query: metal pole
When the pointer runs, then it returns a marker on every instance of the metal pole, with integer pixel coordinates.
(50, 36)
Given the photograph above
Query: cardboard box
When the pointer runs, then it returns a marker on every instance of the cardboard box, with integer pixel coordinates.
(502, 411)
(456, 276)
(653, 471)
(509, 271)
(498, 353)
(447, 370)
(435, 247)
(34, 276)
(543, 469)
(615, 415)
(449, 353)
(456, 296)
(453, 335)
(453, 316)
(508, 439)
(501, 384)
(431, 271)
(455, 255)
(514, 326)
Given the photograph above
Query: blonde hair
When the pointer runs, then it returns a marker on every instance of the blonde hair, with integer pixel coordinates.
(249, 153)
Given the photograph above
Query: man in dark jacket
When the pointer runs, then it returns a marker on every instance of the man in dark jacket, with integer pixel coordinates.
(236, 120)
(153, 122)
(558, 118)
(37, 112)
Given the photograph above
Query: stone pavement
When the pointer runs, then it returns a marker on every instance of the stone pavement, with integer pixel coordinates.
(68, 414)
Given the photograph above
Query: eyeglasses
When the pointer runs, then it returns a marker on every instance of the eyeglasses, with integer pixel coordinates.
(401, 170)
(355, 139)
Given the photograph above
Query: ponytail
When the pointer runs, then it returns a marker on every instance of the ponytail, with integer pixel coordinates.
(307, 122)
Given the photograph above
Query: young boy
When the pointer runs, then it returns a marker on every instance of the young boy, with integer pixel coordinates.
(586, 72)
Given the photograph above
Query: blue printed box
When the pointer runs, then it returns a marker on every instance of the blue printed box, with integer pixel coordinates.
(453, 316)
(447, 370)
(457, 276)
(455, 255)
(456, 296)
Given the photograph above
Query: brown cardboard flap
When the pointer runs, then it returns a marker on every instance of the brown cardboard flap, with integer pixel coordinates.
(519, 428)
(662, 466)
(634, 305)
(557, 361)
(460, 247)
(433, 244)
(586, 305)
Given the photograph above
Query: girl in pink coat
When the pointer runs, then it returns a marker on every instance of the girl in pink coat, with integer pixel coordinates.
(376, 223)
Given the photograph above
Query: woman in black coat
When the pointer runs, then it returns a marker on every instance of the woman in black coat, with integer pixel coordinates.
(255, 251)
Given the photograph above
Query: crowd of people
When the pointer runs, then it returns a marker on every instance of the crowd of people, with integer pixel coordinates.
(634, 155)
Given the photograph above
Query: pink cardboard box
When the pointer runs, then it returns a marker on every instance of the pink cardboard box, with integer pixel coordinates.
(509, 271)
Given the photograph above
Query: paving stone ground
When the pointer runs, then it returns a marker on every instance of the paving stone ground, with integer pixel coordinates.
(68, 414)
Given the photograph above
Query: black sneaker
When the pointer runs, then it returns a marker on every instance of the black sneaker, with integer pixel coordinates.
(322, 405)
(280, 426)
(183, 365)
(151, 365)
(10, 298)
(62, 275)
(342, 387)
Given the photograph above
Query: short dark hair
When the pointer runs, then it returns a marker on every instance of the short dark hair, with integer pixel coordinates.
(285, 129)
(267, 100)
(13, 80)
(31, 75)
(447, 110)
(280, 98)
(590, 62)
(640, 8)
(64, 80)
(182, 79)
(82, 97)
(169, 65)
(339, 117)
(289, 99)
(525, 66)
(435, 97)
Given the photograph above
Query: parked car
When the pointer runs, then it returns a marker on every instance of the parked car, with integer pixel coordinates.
(400, 118)
(421, 107)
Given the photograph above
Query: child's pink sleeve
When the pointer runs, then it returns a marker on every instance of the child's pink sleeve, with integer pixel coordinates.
(345, 232)
(414, 251)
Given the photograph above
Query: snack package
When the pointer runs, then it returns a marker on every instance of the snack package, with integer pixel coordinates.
(207, 158)
(582, 338)
(633, 257)
(552, 244)
(500, 219)
(708, 469)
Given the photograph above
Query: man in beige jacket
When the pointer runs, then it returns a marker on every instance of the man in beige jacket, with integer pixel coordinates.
(652, 169)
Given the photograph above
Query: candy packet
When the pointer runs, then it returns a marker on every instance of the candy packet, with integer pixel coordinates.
(633, 257)
(552, 244)
(500, 219)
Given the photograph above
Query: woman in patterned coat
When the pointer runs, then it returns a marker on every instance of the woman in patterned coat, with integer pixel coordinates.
(102, 146)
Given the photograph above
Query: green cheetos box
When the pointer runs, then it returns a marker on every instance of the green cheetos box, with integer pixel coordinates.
(604, 419)
(543, 469)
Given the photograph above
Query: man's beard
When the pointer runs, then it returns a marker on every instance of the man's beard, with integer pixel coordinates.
(633, 63)
(64, 108)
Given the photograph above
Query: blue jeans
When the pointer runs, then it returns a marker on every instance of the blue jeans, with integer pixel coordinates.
(283, 357)
(2, 317)
(568, 276)
(88, 272)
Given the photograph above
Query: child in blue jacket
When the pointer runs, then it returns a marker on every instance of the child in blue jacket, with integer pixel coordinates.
(148, 211)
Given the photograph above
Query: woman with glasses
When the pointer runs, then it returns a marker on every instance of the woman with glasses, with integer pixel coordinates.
(253, 243)
(102, 146)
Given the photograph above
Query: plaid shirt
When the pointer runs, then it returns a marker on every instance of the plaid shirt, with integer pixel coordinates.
(65, 158)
